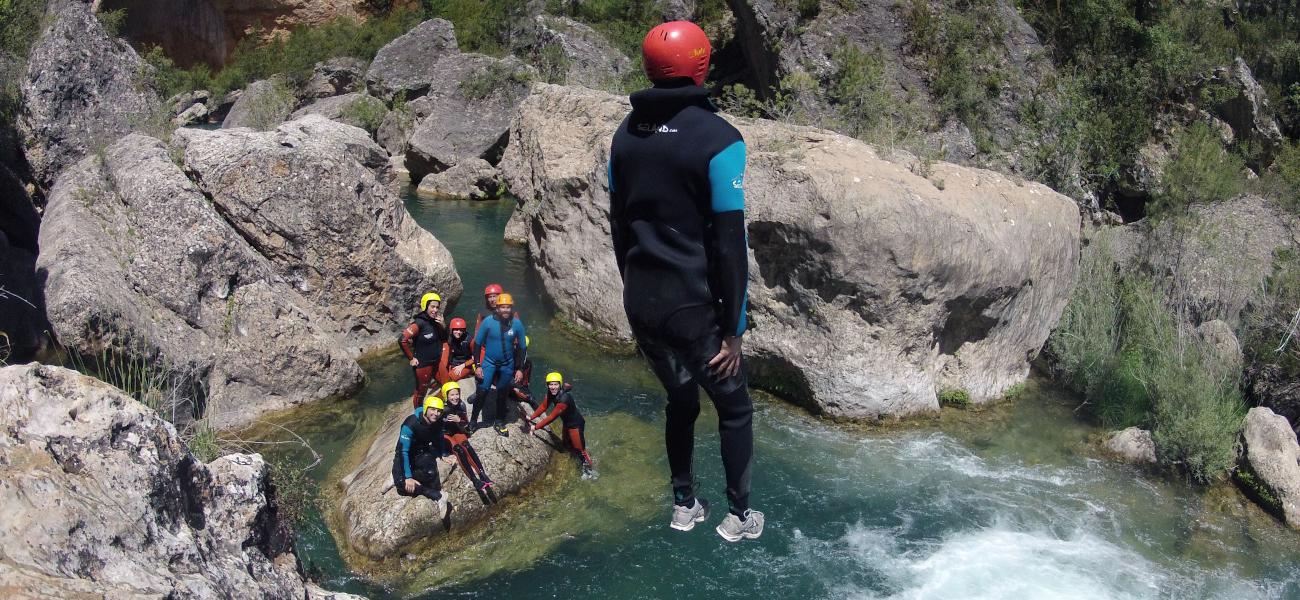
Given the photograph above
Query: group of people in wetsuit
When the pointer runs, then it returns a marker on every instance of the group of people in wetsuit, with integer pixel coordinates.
(496, 356)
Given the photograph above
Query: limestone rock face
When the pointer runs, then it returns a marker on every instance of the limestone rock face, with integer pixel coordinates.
(408, 64)
(378, 523)
(82, 90)
(1274, 457)
(316, 198)
(468, 115)
(263, 105)
(355, 109)
(566, 51)
(137, 261)
(100, 498)
(473, 179)
(920, 283)
(1133, 445)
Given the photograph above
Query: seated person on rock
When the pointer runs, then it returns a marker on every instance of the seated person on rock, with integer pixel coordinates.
(422, 343)
(457, 436)
(419, 446)
(457, 360)
(501, 340)
(561, 397)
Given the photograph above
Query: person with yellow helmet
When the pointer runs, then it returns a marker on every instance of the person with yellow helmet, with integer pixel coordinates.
(455, 421)
(501, 339)
(420, 444)
(422, 342)
(561, 397)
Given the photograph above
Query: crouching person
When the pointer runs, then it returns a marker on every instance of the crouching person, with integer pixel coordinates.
(419, 446)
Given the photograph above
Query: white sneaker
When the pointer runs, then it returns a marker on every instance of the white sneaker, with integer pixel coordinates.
(685, 517)
(733, 529)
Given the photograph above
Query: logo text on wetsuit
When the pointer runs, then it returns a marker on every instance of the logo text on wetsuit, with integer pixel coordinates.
(652, 128)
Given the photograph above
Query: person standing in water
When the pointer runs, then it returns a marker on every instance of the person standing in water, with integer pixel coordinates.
(422, 343)
(501, 340)
(677, 217)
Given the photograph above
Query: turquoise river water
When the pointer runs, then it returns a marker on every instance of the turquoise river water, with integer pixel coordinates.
(1008, 502)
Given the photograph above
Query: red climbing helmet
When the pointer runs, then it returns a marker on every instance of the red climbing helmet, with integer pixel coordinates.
(458, 323)
(492, 288)
(676, 49)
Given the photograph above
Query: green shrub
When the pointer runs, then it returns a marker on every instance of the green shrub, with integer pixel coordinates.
(20, 24)
(367, 113)
(295, 491)
(859, 89)
(1199, 171)
(483, 26)
(1282, 181)
(1121, 345)
(956, 398)
(499, 77)
(1271, 335)
(112, 21)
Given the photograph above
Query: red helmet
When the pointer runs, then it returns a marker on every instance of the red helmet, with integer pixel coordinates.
(458, 323)
(492, 288)
(676, 49)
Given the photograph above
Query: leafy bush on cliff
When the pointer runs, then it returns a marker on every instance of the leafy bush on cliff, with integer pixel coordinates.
(20, 23)
(1120, 345)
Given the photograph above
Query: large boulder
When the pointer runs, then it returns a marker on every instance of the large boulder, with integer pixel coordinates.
(469, 109)
(1271, 471)
(473, 179)
(921, 277)
(1132, 445)
(263, 105)
(139, 264)
(342, 75)
(1244, 107)
(408, 65)
(355, 109)
(317, 199)
(82, 90)
(569, 52)
(189, 108)
(379, 524)
(100, 498)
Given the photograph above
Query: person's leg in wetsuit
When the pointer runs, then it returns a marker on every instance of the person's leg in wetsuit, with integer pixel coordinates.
(497, 379)
(424, 469)
(575, 437)
(424, 379)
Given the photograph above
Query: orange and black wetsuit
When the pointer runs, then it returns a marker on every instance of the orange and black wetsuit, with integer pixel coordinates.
(422, 340)
(566, 409)
(457, 437)
(457, 360)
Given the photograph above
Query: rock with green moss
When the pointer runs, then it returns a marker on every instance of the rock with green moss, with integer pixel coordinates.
(1272, 460)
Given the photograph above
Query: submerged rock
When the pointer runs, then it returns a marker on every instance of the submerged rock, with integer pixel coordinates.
(376, 522)
(101, 498)
(1272, 464)
(138, 263)
(82, 90)
(1133, 445)
(315, 197)
(921, 277)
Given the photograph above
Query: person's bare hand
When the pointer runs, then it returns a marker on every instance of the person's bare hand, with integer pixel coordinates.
(410, 485)
(519, 377)
(415, 362)
(726, 363)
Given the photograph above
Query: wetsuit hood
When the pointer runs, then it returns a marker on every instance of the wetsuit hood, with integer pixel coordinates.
(671, 98)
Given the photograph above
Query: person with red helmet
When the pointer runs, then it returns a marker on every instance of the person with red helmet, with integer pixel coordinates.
(677, 216)
(457, 361)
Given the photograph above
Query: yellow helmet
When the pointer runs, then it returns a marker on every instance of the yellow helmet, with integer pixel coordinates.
(527, 341)
(554, 376)
(505, 299)
(432, 400)
(427, 298)
(447, 387)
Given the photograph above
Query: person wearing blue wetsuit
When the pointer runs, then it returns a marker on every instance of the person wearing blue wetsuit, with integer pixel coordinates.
(501, 339)
(420, 444)
(677, 217)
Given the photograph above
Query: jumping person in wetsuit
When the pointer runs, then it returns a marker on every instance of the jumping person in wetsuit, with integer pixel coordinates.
(422, 342)
(566, 408)
(457, 361)
(677, 215)
(501, 339)
(419, 445)
(454, 431)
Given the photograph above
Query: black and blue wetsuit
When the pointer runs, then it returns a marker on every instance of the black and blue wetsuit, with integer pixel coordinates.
(502, 344)
(677, 215)
(419, 445)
